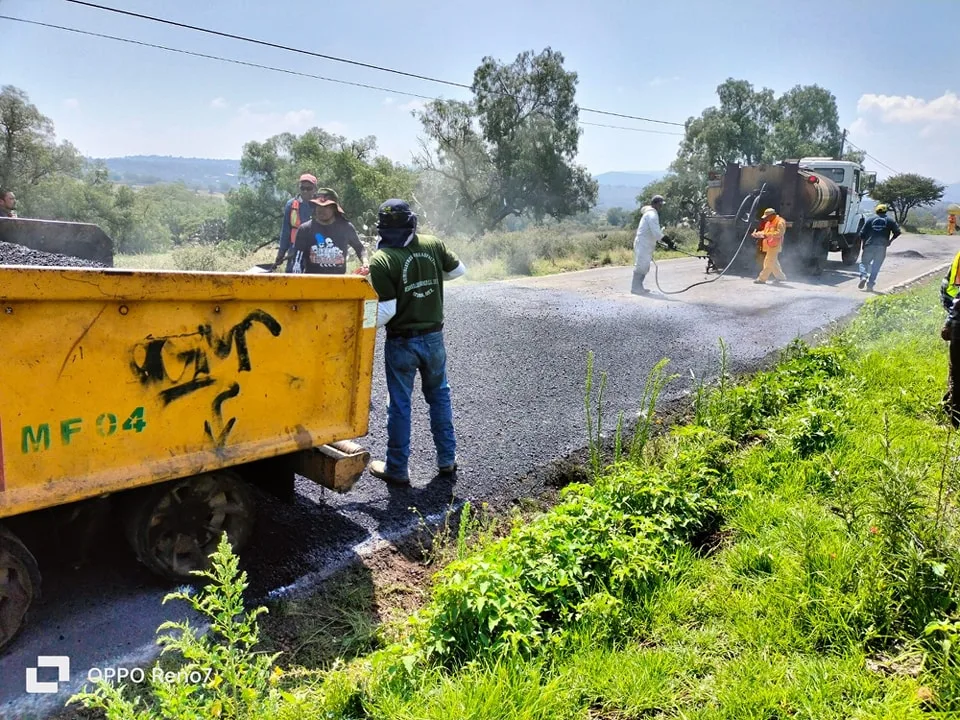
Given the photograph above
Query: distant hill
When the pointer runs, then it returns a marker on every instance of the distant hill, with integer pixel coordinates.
(617, 189)
(620, 189)
(196, 173)
(952, 193)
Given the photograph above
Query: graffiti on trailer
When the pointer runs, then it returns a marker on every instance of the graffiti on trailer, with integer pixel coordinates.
(181, 363)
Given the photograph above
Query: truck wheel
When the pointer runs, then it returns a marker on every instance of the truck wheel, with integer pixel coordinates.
(19, 585)
(850, 255)
(174, 527)
(819, 252)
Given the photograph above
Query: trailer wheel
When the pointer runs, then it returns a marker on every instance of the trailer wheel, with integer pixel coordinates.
(174, 527)
(19, 585)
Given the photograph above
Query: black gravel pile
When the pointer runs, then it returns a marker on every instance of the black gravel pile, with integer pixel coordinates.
(13, 254)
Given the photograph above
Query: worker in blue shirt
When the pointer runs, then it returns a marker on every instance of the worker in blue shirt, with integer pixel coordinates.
(876, 238)
(297, 211)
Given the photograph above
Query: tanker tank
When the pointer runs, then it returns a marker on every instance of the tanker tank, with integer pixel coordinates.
(814, 196)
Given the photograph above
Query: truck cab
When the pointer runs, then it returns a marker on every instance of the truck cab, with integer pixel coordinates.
(852, 178)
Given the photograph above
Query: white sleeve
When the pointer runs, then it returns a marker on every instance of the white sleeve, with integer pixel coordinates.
(385, 312)
(458, 271)
(655, 225)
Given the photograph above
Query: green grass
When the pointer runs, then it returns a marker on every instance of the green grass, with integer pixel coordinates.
(838, 548)
(791, 552)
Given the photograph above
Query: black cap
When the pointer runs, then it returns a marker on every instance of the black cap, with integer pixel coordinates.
(396, 214)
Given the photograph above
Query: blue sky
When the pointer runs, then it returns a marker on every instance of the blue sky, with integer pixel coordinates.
(894, 71)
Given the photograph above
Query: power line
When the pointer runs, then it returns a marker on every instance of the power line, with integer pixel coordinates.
(265, 43)
(332, 58)
(866, 154)
(621, 127)
(215, 57)
(140, 43)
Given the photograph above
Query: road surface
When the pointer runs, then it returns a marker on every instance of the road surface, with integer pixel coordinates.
(517, 354)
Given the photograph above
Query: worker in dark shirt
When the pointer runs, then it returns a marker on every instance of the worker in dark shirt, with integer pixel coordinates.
(408, 271)
(322, 242)
(876, 238)
(294, 213)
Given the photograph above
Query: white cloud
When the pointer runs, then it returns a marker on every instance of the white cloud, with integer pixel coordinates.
(71, 103)
(909, 109)
(860, 128)
(218, 103)
(336, 127)
(255, 124)
(658, 81)
(388, 101)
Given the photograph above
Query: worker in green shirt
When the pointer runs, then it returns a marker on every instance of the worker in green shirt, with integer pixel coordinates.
(407, 271)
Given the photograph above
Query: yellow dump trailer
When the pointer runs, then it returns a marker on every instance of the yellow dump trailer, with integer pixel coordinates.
(169, 393)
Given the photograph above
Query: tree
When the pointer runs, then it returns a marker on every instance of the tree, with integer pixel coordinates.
(752, 126)
(28, 148)
(617, 216)
(906, 191)
(807, 124)
(361, 177)
(683, 191)
(857, 156)
(511, 150)
(737, 131)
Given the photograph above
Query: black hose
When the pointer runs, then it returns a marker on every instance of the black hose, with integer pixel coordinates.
(750, 219)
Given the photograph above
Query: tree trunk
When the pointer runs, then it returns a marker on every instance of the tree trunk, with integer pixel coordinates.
(499, 218)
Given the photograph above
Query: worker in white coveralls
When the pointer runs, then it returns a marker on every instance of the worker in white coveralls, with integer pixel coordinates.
(649, 233)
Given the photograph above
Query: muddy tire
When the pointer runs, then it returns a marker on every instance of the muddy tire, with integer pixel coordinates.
(19, 585)
(819, 253)
(173, 528)
(850, 255)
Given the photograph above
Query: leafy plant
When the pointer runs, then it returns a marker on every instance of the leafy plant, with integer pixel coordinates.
(219, 675)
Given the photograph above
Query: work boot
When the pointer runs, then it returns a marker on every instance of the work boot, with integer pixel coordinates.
(863, 281)
(378, 468)
(448, 469)
(637, 288)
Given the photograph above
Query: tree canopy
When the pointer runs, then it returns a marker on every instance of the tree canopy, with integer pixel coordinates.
(749, 126)
(362, 178)
(906, 191)
(511, 150)
(753, 126)
(29, 152)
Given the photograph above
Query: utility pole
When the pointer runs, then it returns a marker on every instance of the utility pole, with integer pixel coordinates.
(843, 141)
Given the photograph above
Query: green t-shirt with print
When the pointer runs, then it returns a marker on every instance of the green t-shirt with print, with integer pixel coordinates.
(413, 276)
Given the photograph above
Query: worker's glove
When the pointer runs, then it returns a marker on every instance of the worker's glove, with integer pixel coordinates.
(946, 332)
(668, 242)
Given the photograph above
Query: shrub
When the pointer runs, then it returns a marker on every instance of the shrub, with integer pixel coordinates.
(237, 681)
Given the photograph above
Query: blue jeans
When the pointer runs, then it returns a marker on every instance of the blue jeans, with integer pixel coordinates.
(403, 357)
(872, 257)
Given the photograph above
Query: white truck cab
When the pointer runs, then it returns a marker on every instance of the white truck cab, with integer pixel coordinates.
(849, 175)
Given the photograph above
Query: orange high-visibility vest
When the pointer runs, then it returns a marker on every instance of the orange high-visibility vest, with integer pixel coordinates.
(294, 220)
(774, 231)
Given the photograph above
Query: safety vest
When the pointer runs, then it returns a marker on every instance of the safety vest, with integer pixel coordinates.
(774, 231)
(953, 289)
(294, 220)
